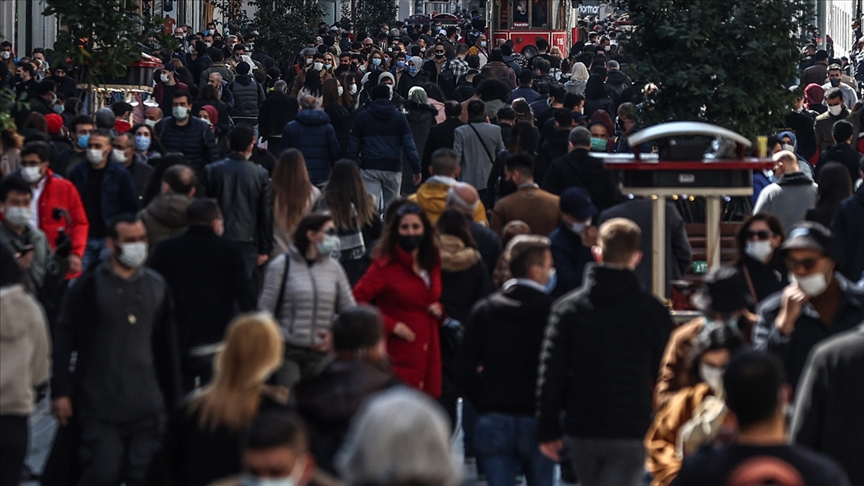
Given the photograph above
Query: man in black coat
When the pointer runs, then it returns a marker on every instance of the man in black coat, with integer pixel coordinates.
(126, 377)
(848, 230)
(503, 336)
(278, 110)
(242, 189)
(602, 350)
(208, 281)
(818, 303)
(827, 418)
(182, 132)
(841, 152)
(441, 135)
(330, 399)
(579, 169)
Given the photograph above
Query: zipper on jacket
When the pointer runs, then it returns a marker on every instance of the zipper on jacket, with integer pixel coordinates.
(314, 304)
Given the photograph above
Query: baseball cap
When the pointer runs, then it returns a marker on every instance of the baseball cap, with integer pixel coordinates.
(809, 235)
(576, 202)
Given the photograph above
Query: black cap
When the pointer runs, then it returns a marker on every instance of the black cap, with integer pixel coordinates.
(724, 291)
(576, 202)
(809, 235)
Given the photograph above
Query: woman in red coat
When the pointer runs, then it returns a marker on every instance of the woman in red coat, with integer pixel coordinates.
(404, 282)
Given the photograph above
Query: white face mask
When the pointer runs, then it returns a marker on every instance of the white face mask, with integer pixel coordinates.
(578, 226)
(340, 90)
(31, 174)
(5, 55)
(164, 78)
(292, 480)
(713, 377)
(18, 215)
(812, 285)
(94, 156)
(150, 123)
(353, 89)
(132, 255)
(835, 110)
(119, 156)
(759, 250)
(317, 65)
(788, 147)
(180, 112)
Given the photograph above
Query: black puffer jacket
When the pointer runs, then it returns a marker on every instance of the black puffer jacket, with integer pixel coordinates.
(248, 97)
(194, 140)
(242, 189)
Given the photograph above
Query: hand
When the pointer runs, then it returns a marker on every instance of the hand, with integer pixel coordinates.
(62, 409)
(790, 309)
(552, 449)
(417, 179)
(404, 332)
(25, 260)
(436, 310)
(589, 236)
(325, 341)
(262, 259)
(74, 264)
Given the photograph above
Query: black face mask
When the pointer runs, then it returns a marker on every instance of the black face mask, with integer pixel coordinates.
(410, 243)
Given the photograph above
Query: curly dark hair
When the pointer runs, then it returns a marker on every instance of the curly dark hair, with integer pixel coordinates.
(427, 256)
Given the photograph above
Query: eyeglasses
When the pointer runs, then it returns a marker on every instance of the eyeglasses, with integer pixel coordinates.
(760, 235)
(807, 264)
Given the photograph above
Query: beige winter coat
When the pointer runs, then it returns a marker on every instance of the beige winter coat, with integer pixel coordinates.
(24, 350)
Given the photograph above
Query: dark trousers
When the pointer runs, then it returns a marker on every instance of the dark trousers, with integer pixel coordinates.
(13, 448)
(197, 370)
(113, 453)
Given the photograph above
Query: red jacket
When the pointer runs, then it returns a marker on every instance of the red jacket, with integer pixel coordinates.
(61, 193)
(402, 296)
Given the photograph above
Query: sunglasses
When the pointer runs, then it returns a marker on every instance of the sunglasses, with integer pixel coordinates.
(331, 232)
(761, 235)
(807, 264)
(439, 52)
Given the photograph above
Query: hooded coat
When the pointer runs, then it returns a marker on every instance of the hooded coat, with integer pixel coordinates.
(432, 197)
(379, 138)
(165, 217)
(312, 134)
(402, 296)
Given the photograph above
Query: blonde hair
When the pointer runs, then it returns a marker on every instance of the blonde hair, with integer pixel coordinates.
(253, 350)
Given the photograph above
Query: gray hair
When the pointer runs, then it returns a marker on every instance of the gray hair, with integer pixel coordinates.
(580, 137)
(308, 51)
(613, 65)
(308, 102)
(217, 74)
(280, 86)
(454, 201)
(400, 436)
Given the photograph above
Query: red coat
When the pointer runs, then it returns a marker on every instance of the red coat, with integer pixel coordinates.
(61, 193)
(402, 296)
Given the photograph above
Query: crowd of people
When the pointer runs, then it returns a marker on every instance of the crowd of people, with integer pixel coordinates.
(315, 270)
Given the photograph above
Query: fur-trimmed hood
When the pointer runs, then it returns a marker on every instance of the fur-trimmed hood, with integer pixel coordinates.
(455, 256)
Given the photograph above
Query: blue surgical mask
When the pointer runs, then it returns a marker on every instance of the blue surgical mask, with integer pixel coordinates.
(552, 282)
(400, 64)
(482, 43)
(59, 109)
(412, 69)
(83, 140)
(376, 62)
(142, 142)
(598, 144)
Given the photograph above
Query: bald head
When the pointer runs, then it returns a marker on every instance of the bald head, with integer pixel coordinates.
(308, 102)
(787, 162)
(463, 197)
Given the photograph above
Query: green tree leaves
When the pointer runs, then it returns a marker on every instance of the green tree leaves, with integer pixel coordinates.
(102, 38)
(372, 14)
(285, 26)
(726, 62)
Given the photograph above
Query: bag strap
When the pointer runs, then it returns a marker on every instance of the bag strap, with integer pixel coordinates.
(750, 284)
(486, 149)
(276, 311)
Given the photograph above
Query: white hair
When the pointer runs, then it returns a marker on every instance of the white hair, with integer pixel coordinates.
(400, 436)
(453, 200)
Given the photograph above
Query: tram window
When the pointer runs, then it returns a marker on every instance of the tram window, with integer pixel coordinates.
(539, 13)
(520, 13)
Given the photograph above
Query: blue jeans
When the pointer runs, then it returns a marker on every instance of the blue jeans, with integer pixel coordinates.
(95, 251)
(504, 444)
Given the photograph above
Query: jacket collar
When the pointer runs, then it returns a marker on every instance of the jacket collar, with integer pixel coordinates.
(794, 179)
